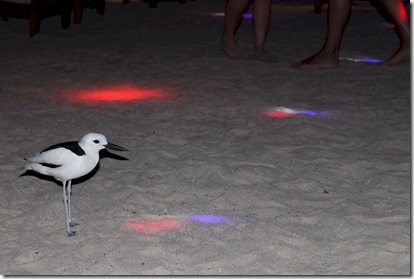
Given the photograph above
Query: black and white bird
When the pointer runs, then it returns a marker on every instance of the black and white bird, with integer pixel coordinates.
(70, 160)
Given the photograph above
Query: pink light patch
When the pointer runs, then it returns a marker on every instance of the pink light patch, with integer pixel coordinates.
(217, 14)
(118, 93)
(283, 112)
(280, 112)
(221, 14)
(152, 227)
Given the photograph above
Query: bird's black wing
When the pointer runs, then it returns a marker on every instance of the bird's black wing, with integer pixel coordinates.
(52, 166)
(71, 145)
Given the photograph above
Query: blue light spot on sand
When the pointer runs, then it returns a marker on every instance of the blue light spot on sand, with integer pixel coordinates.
(370, 60)
(311, 113)
(362, 60)
(210, 219)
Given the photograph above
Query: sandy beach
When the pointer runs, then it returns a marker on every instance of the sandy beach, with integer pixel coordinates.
(216, 181)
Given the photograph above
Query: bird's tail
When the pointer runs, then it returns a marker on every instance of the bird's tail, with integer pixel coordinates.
(35, 167)
(28, 163)
(26, 166)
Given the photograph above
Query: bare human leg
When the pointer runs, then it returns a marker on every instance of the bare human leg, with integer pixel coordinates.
(261, 18)
(233, 17)
(328, 57)
(396, 10)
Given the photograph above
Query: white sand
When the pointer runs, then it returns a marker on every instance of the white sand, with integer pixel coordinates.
(303, 195)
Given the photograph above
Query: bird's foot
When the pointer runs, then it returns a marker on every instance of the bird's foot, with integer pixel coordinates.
(71, 233)
(72, 224)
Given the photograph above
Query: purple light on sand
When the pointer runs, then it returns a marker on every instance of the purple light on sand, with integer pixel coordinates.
(311, 112)
(362, 60)
(210, 219)
(370, 60)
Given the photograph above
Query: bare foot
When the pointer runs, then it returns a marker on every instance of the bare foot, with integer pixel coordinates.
(263, 56)
(232, 49)
(318, 61)
(400, 56)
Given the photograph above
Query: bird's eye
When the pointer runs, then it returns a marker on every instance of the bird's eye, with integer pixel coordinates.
(96, 141)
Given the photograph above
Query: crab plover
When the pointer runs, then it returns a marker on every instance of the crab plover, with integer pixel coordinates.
(69, 160)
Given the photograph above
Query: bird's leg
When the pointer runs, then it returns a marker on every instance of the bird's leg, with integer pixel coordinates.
(65, 201)
(69, 193)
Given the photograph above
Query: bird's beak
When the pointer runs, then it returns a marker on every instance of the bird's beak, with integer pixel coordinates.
(115, 147)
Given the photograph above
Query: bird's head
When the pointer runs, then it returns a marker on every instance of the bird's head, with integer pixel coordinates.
(95, 142)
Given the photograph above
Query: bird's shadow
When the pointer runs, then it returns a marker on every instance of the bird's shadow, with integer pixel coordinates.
(106, 154)
(103, 154)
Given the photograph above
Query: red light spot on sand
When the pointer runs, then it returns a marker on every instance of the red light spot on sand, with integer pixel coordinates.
(152, 227)
(278, 114)
(119, 93)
